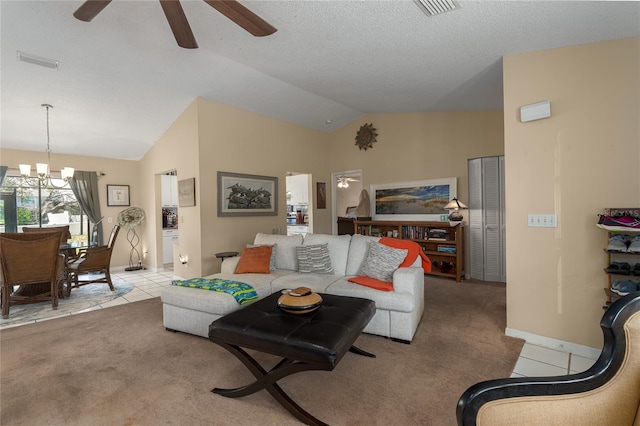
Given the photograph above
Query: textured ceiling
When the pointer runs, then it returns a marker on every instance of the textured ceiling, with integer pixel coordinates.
(123, 80)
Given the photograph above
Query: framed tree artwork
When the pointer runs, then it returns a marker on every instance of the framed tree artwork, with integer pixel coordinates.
(118, 195)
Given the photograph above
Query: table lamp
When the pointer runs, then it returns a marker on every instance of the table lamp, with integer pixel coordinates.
(455, 215)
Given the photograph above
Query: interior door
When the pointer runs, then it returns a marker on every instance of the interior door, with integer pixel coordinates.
(487, 240)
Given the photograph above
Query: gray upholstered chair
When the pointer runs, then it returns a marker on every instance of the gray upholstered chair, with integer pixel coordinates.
(608, 393)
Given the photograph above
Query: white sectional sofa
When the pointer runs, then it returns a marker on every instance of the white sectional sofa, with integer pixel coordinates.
(398, 312)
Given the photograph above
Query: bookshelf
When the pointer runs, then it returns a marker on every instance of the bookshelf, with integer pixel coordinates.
(442, 242)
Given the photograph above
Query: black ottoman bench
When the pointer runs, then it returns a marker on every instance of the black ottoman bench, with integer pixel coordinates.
(313, 341)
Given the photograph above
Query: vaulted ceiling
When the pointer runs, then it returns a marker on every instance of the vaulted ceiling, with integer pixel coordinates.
(122, 79)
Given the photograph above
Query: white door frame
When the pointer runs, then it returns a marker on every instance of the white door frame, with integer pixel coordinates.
(334, 191)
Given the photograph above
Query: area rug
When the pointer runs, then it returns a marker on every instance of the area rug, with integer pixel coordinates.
(119, 366)
(84, 298)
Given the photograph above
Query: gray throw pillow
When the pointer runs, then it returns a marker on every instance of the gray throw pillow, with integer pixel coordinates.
(272, 260)
(314, 258)
(382, 261)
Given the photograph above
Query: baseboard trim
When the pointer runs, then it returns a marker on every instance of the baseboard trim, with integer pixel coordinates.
(559, 345)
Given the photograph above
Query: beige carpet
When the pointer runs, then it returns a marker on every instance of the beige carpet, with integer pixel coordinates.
(119, 366)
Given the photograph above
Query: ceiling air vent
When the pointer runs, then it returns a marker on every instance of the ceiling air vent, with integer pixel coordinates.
(436, 7)
(37, 60)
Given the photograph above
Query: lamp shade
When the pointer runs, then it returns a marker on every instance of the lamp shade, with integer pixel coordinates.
(455, 204)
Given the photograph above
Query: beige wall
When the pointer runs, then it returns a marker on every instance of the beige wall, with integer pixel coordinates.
(117, 172)
(584, 158)
(417, 146)
(177, 149)
(210, 137)
(235, 140)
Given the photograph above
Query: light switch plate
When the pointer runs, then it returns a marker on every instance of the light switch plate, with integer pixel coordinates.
(542, 221)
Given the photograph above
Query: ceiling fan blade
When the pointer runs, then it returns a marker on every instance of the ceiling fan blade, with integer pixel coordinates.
(243, 17)
(179, 24)
(89, 9)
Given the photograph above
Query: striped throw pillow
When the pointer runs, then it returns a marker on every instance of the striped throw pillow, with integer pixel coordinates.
(314, 259)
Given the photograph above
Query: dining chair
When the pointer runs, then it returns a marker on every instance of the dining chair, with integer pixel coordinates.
(92, 260)
(32, 262)
(64, 234)
(63, 231)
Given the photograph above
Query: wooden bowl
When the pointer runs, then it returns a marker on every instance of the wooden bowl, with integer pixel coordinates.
(300, 300)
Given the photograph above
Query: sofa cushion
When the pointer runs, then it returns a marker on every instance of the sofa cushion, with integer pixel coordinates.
(338, 246)
(382, 261)
(285, 248)
(254, 260)
(358, 251)
(314, 259)
(257, 281)
(389, 300)
(316, 282)
(212, 302)
(272, 260)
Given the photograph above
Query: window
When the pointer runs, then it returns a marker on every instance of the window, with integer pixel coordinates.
(30, 204)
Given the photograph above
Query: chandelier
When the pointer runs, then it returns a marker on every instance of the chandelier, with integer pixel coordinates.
(43, 170)
(343, 182)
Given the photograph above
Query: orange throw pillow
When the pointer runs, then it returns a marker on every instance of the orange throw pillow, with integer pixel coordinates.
(372, 282)
(254, 260)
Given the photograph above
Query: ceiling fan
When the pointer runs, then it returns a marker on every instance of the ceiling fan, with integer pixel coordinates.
(343, 181)
(178, 21)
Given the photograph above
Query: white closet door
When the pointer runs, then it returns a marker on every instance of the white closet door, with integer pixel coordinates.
(492, 219)
(476, 240)
(487, 256)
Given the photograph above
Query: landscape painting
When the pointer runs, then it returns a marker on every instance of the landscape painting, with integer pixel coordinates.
(247, 195)
(419, 200)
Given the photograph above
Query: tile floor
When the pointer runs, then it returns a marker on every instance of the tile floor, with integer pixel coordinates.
(130, 287)
(533, 361)
(540, 361)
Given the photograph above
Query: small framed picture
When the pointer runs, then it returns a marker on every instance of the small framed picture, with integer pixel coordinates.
(187, 192)
(118, 195)
(321, 195)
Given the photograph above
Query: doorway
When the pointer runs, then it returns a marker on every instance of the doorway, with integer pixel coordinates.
(299, 203)
(346, 187)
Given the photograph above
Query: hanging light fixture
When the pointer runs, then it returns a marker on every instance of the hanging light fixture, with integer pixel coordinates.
(343, 183)
(44, 170)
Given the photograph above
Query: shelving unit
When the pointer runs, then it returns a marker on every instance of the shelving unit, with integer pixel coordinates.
(614, 256)
(442, 242)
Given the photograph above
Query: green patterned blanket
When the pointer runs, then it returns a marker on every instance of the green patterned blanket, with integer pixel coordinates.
(242, 292)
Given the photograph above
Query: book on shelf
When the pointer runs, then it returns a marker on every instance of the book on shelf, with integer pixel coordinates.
(446, 249)
(437, 235)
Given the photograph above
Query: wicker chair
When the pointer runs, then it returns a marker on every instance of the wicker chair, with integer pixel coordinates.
(65, 234)
(92, 260)
(63, 230)
(33, 262)
(608, 393)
